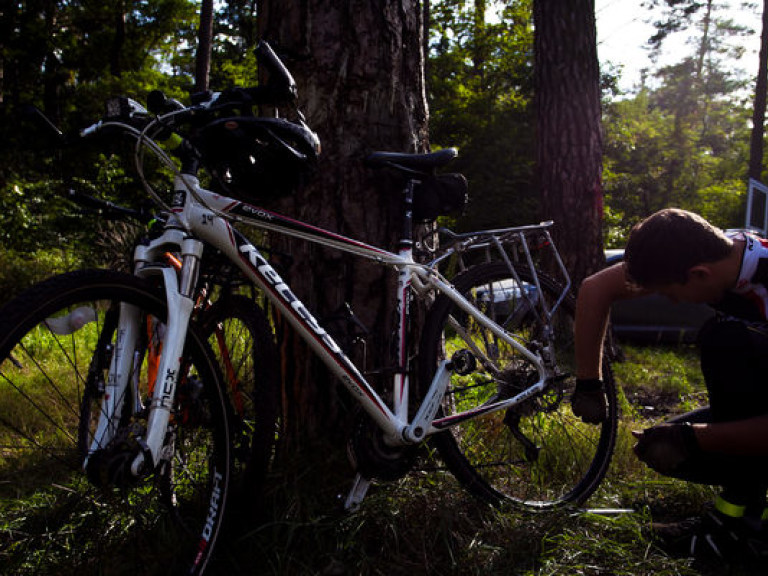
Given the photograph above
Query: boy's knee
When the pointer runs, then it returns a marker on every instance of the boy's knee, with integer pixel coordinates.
(734, 362)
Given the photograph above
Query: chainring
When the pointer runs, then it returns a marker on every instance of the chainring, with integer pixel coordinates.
(372, 457)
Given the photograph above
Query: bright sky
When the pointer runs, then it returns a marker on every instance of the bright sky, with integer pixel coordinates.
(623, 28)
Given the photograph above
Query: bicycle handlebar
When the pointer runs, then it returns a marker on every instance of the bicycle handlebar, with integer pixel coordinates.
(279, 90)
(158, 103)
(165, 117)
(110, 209)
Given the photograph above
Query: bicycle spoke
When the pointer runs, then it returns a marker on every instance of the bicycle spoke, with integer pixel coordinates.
(534, 454)
(60, 492)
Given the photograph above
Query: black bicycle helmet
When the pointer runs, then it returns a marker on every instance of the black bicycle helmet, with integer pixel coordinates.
(258, 159)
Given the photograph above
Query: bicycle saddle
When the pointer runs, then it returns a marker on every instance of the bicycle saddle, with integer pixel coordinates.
(411, 162)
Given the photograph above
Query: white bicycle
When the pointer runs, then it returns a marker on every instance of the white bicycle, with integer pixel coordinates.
(119, 430)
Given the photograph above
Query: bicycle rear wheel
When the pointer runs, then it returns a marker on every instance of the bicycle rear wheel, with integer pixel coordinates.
(537, 455)
(242, 341)
(68, 504)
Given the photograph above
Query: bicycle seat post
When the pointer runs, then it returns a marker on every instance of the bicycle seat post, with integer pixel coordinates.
(406, 239)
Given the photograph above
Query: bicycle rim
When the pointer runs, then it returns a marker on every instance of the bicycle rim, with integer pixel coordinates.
(537, 455)
(61, 515)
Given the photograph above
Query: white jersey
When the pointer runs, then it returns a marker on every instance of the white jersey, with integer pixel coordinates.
(753, 276)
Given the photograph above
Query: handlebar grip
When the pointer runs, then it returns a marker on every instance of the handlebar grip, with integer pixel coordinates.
(282, 86)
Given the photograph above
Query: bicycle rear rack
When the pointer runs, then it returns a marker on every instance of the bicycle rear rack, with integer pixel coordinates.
(512, 246)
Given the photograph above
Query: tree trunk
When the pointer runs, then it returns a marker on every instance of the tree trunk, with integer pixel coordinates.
(204, 46)
(118, 43)
(758, 111)
(5, 32)
(704, 47)
(359, 68)
(569, 141)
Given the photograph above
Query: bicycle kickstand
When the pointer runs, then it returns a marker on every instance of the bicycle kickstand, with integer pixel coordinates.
(356, 493)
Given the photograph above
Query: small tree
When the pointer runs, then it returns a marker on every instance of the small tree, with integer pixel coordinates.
(204, 46)
(758, 111)
(481, 100)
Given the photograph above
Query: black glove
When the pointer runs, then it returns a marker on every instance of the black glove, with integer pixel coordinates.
(588, 401)
(667, 447)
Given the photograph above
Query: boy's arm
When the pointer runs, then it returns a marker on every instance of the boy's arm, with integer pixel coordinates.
(593, 307)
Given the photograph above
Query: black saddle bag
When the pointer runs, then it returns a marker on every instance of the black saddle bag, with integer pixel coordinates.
(440, 195)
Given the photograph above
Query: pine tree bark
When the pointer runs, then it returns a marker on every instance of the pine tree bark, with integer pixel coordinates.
(569, 140)
(360, 72)
(118, 43)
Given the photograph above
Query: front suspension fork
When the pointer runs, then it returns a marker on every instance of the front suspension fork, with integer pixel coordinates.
(179, 291)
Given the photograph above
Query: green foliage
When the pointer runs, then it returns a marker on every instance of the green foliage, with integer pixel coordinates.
(30, 213)
(67, 58)
(35, 215)
(233, 61)
(656, 157)
(240, 72)
(683, 139)
(659, 380)
(20, 269)
(480, 92)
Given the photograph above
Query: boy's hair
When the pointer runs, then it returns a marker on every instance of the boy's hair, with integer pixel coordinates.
(666, 245)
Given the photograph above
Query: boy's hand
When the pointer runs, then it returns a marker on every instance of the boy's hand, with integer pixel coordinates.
(666, 447)
(588, 401)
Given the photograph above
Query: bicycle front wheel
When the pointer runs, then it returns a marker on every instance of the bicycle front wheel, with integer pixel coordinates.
(68, 502)
(536, 455)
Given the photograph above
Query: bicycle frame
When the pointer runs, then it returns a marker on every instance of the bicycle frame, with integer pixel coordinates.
(203, 217)
(140, 393)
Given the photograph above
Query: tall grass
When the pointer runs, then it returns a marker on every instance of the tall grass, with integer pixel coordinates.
(52, 520)
(427, 524)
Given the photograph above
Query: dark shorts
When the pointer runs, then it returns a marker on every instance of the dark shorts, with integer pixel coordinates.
(734, 361)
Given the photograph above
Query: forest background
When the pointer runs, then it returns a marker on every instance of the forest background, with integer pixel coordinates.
(681, 137)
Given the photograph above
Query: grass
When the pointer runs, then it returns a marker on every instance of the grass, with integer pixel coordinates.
(427, 524)
(660, 381)
(52, 520)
